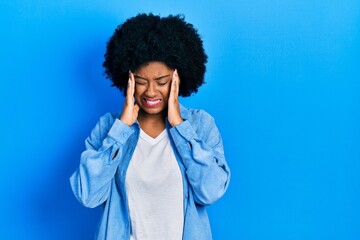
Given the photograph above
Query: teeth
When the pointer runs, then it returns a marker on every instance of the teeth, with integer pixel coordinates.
(152, 102)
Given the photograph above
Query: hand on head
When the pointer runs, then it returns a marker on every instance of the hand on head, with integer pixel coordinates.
(130, 110)
(174, 115)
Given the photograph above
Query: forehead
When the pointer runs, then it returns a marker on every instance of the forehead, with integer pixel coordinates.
(153, 69)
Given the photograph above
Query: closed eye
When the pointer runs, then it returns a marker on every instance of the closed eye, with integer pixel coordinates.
(162, 83)
(140, 83)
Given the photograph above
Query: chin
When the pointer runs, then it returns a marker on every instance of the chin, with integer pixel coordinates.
(153, 111)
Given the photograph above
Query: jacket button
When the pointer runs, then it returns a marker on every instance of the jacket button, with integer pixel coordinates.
(124, 135)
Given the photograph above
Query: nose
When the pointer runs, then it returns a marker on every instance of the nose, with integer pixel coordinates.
(151, 90)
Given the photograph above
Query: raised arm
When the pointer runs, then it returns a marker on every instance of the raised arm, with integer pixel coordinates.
(105, 147)
(202, 154)
(204, 160)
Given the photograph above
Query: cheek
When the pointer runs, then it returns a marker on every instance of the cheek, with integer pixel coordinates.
(166, 91)
(139, 90)
(137, 93)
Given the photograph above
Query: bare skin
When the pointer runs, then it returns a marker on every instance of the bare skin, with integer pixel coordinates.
(155, 87)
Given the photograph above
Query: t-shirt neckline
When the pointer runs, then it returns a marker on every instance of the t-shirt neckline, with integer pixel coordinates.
(150, 139)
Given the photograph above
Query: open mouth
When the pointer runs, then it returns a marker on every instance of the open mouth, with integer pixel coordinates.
(151, 102)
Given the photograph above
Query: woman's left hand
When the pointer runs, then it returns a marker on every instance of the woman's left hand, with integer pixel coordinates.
(174, 115)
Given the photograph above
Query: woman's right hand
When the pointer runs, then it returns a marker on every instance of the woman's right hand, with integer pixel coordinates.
(130, 110)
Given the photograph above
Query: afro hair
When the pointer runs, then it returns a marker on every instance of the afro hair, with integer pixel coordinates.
(147, 37)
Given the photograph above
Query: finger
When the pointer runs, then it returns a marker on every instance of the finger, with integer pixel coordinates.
(133, 83)
(129, 84)
(175, 79)
(175, 87)
(128, 91)
(136, 107)
(177, 83)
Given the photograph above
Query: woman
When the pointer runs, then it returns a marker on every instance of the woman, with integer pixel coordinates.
(155, 166)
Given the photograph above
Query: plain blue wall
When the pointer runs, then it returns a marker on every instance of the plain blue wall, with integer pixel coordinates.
(283, 83)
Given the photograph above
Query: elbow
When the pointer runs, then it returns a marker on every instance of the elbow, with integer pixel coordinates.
(210, 192)
(88, 200)
(206, 199)
(89, 203)
(84, 195)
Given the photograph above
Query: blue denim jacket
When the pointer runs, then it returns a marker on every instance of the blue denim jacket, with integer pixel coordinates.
(100, 178)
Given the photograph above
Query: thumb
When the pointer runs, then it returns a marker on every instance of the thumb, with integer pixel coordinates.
(136, 107)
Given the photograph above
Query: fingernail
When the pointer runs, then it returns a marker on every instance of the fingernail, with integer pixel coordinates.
(130, 73)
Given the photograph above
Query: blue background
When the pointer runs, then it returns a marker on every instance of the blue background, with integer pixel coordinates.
(282, 83)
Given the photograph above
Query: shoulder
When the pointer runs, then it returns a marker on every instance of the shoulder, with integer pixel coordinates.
(202, 122)
(195, 115)
(108, 118)
(105, 122)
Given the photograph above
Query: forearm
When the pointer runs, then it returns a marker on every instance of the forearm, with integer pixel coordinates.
(91, 181)
(205, 164)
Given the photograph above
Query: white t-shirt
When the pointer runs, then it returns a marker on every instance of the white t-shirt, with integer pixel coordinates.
(154, 190)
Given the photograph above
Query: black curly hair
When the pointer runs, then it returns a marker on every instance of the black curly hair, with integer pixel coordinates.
(147, 37)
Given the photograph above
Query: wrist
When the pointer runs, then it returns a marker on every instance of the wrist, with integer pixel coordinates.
(176, 122)
(124, 121)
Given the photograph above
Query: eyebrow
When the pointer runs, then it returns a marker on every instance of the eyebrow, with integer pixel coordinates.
(158, 78)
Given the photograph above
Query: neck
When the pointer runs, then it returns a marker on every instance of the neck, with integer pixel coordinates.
(151, 119)
(152, 124)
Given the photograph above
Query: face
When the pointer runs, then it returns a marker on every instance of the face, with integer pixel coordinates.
(152, 87)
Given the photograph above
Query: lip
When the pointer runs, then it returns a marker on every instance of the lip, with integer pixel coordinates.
(151, 102)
